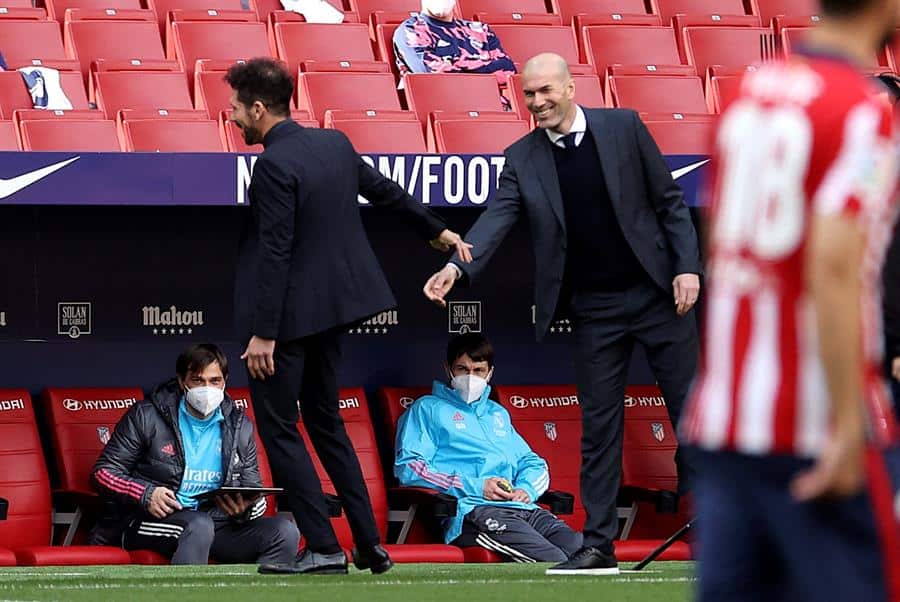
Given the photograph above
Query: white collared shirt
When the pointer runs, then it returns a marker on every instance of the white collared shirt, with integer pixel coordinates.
(579, 126)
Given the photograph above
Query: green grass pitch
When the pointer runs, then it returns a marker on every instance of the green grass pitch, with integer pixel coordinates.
(660, 582)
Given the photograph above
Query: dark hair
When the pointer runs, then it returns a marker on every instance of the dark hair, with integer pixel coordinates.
(844, 8)
(197, 358)
(473, 344)
(265, 80)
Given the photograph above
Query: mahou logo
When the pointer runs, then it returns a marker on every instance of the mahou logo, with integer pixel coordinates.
(378, 324)
(171, 320)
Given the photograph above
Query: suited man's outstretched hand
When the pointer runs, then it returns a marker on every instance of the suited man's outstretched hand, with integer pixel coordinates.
(448, 239)
(440, 284)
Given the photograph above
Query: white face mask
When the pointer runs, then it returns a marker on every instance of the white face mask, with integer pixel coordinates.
(205, 400)
(469, 386)
(440, 8)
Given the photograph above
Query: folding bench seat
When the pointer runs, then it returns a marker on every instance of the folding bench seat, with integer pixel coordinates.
(169, 132)
(56, 9)
(681, 134)
(721, 90)
(606, 45)
(72, 134)
(769, 9)
(119, 90)
(476, 136)
(14, 94)
(657, 93)
(669, 8)
(382, 132)
(468, 8)
(588, 92)
(25, 483)
(162, 8)
(195, 40)
(521, 42)
(569, 9)
(730, 47)
(22, 12)
(27, 43)
(343, 47)
(452, 92)
(319, 92)
(134, 35)
(8, 140)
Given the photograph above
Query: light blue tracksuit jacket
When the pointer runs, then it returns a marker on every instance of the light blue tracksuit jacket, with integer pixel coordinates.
(443, 443)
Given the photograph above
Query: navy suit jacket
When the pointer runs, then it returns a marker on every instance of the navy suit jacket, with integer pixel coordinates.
(305, 265)
(647, 202)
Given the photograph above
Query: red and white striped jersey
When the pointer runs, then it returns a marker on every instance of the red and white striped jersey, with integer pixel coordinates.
(804, 137)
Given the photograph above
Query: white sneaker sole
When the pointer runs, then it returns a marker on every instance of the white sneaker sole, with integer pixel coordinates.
(610, 571)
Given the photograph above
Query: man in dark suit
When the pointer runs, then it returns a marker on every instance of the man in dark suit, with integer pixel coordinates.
(305, 272)
(616, 250)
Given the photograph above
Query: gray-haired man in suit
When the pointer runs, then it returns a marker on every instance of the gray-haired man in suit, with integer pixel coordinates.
(616, 250)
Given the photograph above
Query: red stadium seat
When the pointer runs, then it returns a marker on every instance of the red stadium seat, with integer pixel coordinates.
(722, 89)
(216, 41)
(96, 136)
(379, 132)
(24, 480)
(364, 8)
(670, 8)
(629, 45)
(519, 19)
(170, 134)
(113, 40)
(298, 42)
(163, 7)
(8, 137)
(730, 47)
(476, 136)
(769, 9)
(211, 92)
(568, 9)
(25, 42)
(453, 92)
(319, 92)
(392, 402)
(468, 8)
(137, 90)
(648, 457)
(234, 140)
(14, 95)
(56, 9)
(384, 45)
(7, 557)
(588, 92)
(687, 135)
(792, 36)
(521, 42)
(681, 22)
(17, 4)
(23, 13)
(657, 93)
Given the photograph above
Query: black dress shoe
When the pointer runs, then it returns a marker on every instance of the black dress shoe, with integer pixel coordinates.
(375, 558)
(587, 561)
(309, 563)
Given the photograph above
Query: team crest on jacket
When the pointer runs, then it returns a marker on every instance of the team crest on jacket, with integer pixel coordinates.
(103, 434)
(659, 432)
(550, 430)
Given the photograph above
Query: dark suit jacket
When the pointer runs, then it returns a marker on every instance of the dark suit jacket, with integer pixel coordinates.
(648, 203)
(305, 264)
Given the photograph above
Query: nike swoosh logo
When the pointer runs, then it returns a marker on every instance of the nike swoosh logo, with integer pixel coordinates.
(683, 171)
(13, 185)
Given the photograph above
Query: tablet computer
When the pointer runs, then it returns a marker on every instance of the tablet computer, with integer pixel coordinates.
(244, 491)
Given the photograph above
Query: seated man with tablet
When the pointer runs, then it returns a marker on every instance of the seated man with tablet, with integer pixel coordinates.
(180, 476)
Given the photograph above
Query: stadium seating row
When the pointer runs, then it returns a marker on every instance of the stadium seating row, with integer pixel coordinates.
(566, 10)
(80, 421)
(88, 35)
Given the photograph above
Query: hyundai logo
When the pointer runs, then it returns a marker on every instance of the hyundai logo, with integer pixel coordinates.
(73, 405)
(405, 402)
(518, 402)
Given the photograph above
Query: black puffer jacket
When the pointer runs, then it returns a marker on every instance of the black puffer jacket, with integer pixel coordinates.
(145, 452)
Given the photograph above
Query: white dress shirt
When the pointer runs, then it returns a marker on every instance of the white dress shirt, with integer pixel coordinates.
(579, 126)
